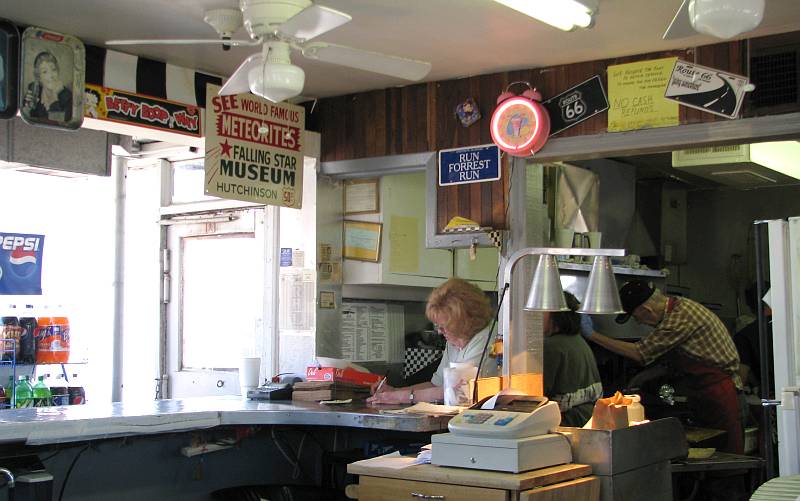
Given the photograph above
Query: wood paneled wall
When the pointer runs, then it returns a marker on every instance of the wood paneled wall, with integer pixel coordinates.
(421, 118)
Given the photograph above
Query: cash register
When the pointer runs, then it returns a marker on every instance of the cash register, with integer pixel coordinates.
(504, 433)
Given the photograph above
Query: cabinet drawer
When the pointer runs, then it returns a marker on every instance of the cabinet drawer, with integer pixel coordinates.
(390, 489)
(583, 489)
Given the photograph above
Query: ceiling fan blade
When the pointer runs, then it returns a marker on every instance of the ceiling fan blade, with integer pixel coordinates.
(313, 21)
(400, 67)
(238, 82)
(680, 27)
(203, 41)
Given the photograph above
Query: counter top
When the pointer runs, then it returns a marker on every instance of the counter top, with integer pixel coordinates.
(50, 425)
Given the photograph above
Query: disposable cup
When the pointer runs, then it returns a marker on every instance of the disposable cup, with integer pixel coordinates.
(249, 368)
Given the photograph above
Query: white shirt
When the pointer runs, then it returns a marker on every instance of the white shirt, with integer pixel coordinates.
(470, 353)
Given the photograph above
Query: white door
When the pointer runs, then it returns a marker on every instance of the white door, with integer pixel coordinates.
(216, 301)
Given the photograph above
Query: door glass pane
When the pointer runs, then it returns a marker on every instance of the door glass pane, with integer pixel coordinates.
(221, 300)
(188, 179)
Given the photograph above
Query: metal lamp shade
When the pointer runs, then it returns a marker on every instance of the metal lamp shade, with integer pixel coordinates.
(546, 293)
(601, 296)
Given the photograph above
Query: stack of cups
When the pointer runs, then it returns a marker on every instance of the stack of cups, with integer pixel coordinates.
(249, 369)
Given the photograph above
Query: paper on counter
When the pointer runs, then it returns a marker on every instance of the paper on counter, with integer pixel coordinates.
(427, 408)
(336, 402)
(393, 461)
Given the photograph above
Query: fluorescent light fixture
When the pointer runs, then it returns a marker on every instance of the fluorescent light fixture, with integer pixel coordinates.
(780, 156)
(563, 14)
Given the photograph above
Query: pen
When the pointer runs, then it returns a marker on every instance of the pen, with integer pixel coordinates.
(380, 385)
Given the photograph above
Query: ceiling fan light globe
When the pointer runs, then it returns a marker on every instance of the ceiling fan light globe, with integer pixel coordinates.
(725, 18)
(276, 82)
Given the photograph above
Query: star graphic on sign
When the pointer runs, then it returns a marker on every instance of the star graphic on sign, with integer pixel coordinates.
(226, 148)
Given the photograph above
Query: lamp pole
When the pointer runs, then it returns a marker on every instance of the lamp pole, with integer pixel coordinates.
(508, 268)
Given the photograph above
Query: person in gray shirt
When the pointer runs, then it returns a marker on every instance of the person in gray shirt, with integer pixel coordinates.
(461, 313)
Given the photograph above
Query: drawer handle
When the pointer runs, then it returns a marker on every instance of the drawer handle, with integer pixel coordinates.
(425, 496)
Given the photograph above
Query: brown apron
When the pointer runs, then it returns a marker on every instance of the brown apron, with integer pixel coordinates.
(712, 396)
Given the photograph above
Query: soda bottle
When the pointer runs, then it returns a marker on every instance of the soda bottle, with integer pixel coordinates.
(10, 393)
(44, 337)
(59, 392)
(27, 341)
(24, 392)
(77, 395)
(41, 394)
(59, 348)
(9, 333)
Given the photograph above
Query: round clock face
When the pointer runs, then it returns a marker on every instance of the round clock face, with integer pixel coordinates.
(517, 125)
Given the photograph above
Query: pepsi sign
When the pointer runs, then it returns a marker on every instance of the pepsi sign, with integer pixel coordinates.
(21, 263)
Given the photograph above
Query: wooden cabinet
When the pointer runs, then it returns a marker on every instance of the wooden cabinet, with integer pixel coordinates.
(390, 489)
(483, 270)
(404, 259)
(377, 482)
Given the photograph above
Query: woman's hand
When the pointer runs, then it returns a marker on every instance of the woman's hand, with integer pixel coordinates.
(393, 396)
(380, 386)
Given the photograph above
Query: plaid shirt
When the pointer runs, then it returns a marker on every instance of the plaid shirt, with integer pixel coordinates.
(697, 332)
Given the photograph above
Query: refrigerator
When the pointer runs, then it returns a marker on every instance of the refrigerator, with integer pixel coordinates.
(784, 298)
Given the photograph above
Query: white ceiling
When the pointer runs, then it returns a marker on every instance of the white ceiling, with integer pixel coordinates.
(459, 37)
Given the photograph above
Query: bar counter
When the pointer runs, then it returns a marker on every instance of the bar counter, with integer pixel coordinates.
(53, 425)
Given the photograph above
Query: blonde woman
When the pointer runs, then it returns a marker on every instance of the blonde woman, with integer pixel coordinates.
(460, 312)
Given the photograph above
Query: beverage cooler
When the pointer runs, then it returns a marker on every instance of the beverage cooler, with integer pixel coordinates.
(35, 356)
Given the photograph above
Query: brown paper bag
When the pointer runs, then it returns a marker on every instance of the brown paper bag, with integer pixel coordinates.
(611, 413)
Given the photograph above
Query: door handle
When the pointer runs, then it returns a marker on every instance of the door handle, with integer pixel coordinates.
(220, 383)
(769, 403)
(425, 496)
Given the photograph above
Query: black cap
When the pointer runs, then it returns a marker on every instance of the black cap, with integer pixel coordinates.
(633, 294)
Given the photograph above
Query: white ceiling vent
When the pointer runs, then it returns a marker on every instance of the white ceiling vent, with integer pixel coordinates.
(744, 165)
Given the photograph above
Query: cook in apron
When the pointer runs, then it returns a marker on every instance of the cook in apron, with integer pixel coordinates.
(712, 398)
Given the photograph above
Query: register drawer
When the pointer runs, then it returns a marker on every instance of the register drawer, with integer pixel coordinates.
(390, 489)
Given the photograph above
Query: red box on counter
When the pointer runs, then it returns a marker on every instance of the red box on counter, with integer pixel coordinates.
(347, 374)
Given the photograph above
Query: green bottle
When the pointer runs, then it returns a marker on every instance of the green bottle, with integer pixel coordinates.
(41, 394)
(24, 393)
(9, 387)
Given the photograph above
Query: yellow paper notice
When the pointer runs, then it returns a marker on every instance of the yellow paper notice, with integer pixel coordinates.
(404, 245)
(636, 95)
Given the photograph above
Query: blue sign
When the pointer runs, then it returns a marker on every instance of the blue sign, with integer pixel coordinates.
(469, 165)
(286, 256)
(21, 263)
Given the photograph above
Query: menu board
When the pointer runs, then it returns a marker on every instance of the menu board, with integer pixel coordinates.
(372, 332)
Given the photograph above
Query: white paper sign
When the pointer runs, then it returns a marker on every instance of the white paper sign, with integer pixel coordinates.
(707, 89)
(254, 149)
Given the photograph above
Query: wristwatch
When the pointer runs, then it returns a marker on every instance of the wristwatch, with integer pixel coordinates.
(411, 396)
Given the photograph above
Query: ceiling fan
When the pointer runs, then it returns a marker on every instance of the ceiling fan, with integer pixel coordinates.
(279, 26)
(718, 18)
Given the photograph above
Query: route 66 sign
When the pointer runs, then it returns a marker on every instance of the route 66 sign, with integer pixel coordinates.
(572, 106)
(576, 104)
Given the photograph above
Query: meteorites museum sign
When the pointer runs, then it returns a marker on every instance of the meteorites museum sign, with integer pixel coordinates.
(254, 149)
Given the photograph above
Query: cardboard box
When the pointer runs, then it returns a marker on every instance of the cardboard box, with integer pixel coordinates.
(347, 374)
